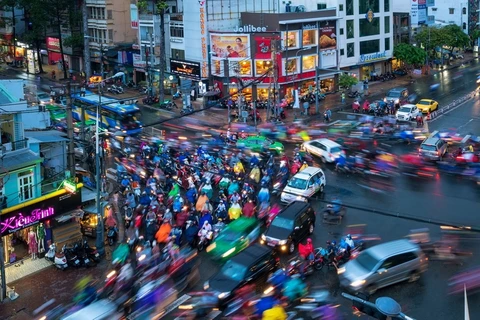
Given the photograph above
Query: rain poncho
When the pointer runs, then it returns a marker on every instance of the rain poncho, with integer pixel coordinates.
(294, 288)
(163, 232)
(255, 174)
(177, 204)
(275, 313)
(238, 168)
(233, 187)
(202, 199)
(175, 190)
(191, 194)
(264, 195)
(120, 254)
(207, 188)
(235, 211)
(224, 183)
(264, 304)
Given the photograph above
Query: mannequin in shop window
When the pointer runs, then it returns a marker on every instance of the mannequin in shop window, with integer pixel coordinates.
(32, 243)
(41, 237)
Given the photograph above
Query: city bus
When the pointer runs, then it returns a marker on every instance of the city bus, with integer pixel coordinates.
(116, 115)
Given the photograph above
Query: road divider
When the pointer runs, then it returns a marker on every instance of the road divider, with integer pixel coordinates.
(451, 106)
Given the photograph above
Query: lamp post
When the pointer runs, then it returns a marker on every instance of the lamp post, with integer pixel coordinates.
(100, 241)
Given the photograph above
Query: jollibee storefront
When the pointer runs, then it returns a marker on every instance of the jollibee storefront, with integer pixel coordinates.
(28, 229)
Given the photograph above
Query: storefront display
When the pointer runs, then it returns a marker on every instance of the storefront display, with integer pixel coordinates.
(309, 63)
(262, 93)
(218, 68)
(327, 85)
(230, 45)
(291, 66)
(309, 38)
(262, 66)
(242, 68)
(291, 39)
(246, 93)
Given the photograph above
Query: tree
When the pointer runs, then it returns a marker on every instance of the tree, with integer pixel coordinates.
(409, 54)
(474, 37)
(430, 37)
(454, 37)
(347, 81)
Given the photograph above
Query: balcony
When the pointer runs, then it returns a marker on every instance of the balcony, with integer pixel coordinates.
(13, 146)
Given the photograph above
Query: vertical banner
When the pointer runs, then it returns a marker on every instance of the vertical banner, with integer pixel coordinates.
(134, 16)
(203, 37)
(328, 37)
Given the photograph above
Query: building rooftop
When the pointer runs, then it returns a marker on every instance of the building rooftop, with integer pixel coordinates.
(18, 159)
(45, 136)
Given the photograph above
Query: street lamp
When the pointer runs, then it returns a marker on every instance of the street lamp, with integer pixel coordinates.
(100, 241)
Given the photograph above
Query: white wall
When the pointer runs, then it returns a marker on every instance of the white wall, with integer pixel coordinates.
(401, 6)
(14, 88)
(35, 120)
(443, 16)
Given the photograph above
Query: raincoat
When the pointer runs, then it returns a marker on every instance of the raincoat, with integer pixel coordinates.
(294, 288)
(249, 209)
(233, 187)
(207, 188)
(275, 313)
(163, 232)
(175, 190)
(238, 168)
(191, 194)
(235, 211)
(177, 204)
(264, 195)
(120, 254)
(255, 174)
(202, 199)
(224, 183)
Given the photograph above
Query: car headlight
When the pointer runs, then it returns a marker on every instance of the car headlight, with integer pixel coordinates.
(384, 99)
(283, 195)
(300, 198)
(397, 101)
(341, 270)
(282, 242)
(263, 237)
(229, 252)
(223, 295)
(357, 283)
(211, 247)
(206, 285)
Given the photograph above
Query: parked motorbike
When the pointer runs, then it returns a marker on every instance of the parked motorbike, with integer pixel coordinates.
(177, 95)
(72, 259)
(353, 94)
(58, 259)
(168, 106)
(131, 84)
(92, 252)
(81, 253)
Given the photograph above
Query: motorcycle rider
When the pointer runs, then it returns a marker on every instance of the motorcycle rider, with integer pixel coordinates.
(254, 161)
(151, 216)
(207, 189)
(224, 182)
(264, 194)
(191, 194)
(306, 252)
(331, 251)
(125, 183)
(335, 207)
(350, 243)
(202, 199)
(177, 203)
(144, 199)
(206, 228)
(191, 232)
(235, 197)
(163, 232)
(341, 161)
(255, 174)
(235, 211)
(249, 209)
(221, 211)
(131, 200)
(174, 191)
(304, 166)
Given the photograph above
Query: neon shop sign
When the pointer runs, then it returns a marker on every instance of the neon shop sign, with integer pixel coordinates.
(19, 221)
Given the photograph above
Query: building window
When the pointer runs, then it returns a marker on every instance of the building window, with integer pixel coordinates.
(292, 41)
(26, 187)
(109, 14)
(365, 5)
(341, 31)
(321, 6)
(309, 38)
(387, 44)
(386, 5)
(434, 9)
(242, 68)
(350, 50)
(98, 35)
(176, 31)
(340, 7)
(178, 54)
(291, 66)
(464, 10)
(369, 28)
(370, 46)
(262, 67)
(349, 4)
(309, 63)
(342, 52)
(110, 35)
(387, 24)
(350, 29)
(464, 26)
(101, 13)
(146, 33)
(451, 10)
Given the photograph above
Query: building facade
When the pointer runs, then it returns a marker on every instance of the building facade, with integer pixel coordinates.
(451, 12)
(11, 26)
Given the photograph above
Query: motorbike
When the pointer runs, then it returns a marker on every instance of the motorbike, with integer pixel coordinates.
(317, 263)
(72, 259)
(187, 110)
(92, 252)
(168, 106)
(112, 235)
(330, 217)
(254, 116)
(81, 253)
(58, 259)
(279, 185)
(131, 84)
(356, 106)
(204, 240)
(353, 94)
(128, 215)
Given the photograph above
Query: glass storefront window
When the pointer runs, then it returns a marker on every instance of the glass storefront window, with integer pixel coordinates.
(350, 29)
(370, 46)
(349, 5)
(363, 6)
(241, 68)
(246, 93)
(218, 67)
(309, 38)
(262, 94)
(386, 5)
(291, 41)
(327, 85)
(350, 50)
(262, 66)
(387, 44)
(369, 28)
(307, 87)
(291, 66)
(387, 24)
(309, 63)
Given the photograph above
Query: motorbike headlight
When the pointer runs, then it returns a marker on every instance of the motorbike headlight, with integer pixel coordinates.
(206, 285)
(397, 101)
(341, 270)
(282, 242)
(276, 185)
(263, 237)
(357, 283)
(223, 295)
(229, 252)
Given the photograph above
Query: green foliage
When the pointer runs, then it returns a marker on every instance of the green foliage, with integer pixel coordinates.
(453, 36)
(430, 37)
(409, 54)
(74, 41)
(142, 5)
(347, 81)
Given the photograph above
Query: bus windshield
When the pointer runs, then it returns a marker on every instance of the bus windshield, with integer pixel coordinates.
(130, 120)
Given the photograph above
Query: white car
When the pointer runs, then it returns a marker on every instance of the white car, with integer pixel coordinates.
(303, 185)
(327, 150)
(408, 112)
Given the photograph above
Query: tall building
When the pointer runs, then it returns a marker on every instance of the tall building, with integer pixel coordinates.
(451, 12)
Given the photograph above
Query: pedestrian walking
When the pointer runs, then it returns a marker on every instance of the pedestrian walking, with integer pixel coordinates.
(53, 75)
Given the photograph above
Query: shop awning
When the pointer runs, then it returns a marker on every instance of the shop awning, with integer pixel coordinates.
(14, 160)
(77, 213)
(45, 136)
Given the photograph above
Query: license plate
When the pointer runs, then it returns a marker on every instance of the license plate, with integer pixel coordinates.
(97, 255)
(271, 244)
(77, 261)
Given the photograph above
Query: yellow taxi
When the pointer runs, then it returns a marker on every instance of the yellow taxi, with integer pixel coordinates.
(427, 105)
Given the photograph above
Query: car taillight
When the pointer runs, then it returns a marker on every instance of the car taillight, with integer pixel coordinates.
(277, 259)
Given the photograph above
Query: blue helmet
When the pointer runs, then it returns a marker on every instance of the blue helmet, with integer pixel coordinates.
(334, 243)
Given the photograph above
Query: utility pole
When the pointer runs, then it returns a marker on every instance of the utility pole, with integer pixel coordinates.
(226, 68)
(86, 50)
(100, 241)
(276, 93)
(3, 283)
(152, 63)
(71, 145)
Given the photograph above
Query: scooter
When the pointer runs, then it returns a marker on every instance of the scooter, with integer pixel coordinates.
(58, 259)
(354, 94)
(204, 239)
(92, 252)
(72, 259)
(112, 235)
(330, 217)
(82, 256)
(128, 215)
(356, 106)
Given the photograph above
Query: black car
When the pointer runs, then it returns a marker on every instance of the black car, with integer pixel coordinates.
(251, 266)
(290, 227)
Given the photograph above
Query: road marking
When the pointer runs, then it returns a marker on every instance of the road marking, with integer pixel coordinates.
(451, 109)
(176, 303)
(465, 124)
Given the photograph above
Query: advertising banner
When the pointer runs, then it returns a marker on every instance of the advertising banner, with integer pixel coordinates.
(328, 36)
(53, 44)
(138, 62)
(134, 16)
(263, 48)
(414, 12)
(230, 45)
(187, 69)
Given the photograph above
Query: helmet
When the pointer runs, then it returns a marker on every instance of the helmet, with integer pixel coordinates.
(334, 243)
(309, 240)
(328, 243)
(349, 237)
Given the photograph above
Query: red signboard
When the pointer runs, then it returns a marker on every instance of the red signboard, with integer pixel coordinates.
(263, 48)
(53, 44)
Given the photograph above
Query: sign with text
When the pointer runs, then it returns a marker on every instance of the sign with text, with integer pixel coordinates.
(430, 3)
(263, 45)
(328, 36)
(230, 45)
(186, 69)
(138, 62)
(53, 44)
(373, 57)
(134, 16)
(414, 12)
(203, 37)
(35, 213)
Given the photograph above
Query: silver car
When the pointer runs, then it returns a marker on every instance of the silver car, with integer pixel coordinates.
(383, 265)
